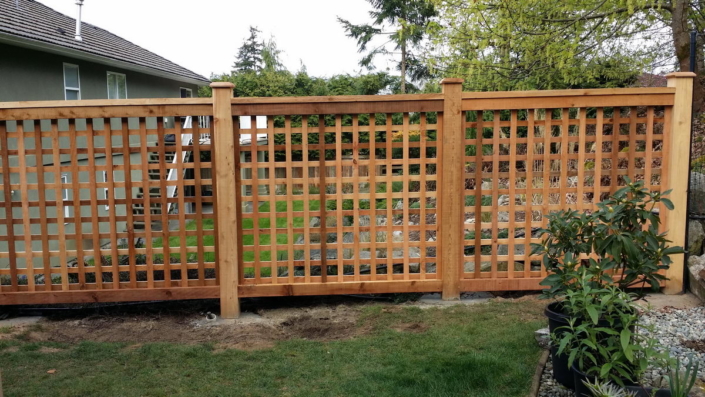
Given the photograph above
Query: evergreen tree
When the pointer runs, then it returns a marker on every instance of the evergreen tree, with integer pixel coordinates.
(249, 55)
(408, 19)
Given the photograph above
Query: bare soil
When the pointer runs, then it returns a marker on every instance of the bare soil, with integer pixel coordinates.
(183, 322)
(697, 345)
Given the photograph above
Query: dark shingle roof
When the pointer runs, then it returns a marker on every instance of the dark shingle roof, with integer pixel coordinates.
(32, 20)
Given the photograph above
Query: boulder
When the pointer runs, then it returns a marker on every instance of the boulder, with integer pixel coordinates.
(696, 275)
(315, 222)
(543, 338)
(696, 235)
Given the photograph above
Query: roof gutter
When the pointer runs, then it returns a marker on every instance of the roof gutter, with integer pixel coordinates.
(86, 56)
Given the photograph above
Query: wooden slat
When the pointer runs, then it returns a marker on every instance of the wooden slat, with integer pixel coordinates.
(272, 199)
(178, 139)
(339, 194)
(405, 196)
(512, 192)
(112, 209)
(95, 224)
(423, 265)
(163, 205)
(322, 196)
(306, 200)
(149, 243)
(530, 190)
(289, 201)
(7, 196)
(389, 215)
(373, 167)
(614, 180)
(478, 191)
(128, 196)
(24, 194)
(564, 150)
(356, 195)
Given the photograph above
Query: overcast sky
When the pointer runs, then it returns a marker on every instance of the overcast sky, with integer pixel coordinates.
(204, 35)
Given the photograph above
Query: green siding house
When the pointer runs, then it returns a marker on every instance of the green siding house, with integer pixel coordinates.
(46, 55)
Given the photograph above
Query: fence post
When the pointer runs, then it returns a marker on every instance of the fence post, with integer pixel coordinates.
(226, 199)
(678, 168)
(451, 187)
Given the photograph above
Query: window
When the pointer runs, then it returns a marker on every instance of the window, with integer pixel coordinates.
(72, 82)
(65, 196)
(186, 93)
(117, 86)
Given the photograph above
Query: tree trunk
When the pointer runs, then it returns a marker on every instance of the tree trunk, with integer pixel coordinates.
(681, 41)
(403, 67)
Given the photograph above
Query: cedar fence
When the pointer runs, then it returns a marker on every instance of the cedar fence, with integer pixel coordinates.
(116, 201)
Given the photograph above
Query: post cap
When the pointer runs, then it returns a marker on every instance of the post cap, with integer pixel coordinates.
(452, 81)
(222, 84)
(681, 75)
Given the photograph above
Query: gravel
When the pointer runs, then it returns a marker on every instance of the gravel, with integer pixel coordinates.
(672, 328)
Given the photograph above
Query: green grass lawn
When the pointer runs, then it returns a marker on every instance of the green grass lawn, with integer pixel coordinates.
(482, 351)
(248, 238)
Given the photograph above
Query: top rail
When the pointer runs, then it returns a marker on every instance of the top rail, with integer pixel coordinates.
(351, 104)
(659, 96)
(99, 108)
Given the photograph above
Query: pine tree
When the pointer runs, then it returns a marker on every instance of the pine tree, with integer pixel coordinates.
(249, 55)
(409, 20)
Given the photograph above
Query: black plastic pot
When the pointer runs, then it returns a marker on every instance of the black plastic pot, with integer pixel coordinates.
(556, 319)
(581, 390)
(648, 391)
(562, 372)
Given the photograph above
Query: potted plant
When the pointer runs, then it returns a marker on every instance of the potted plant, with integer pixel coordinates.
(608, 344)
(625, 247)
(679, 384)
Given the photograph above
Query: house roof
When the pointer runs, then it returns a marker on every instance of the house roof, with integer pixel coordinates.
(34, 23)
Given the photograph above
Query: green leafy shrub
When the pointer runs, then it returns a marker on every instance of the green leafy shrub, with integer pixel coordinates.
(608, 343)
(622, 232)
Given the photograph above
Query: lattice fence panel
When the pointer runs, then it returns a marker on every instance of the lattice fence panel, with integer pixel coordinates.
(522, 164)
(90, 204)
(339, 198)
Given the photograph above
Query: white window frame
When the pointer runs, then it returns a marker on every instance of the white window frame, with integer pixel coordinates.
(107, 81)
(106, 190)
(187, 89)
(77, 89)
(65, 195)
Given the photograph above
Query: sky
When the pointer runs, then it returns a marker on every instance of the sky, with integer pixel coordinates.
(204, 35)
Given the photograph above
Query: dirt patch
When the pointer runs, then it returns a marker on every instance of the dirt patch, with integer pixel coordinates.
(45, 349)
(415, 328)
(252, 332)
(12, 349)
(697, 345)
(320, 327)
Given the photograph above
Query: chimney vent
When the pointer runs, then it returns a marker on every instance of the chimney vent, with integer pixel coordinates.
(79, 3)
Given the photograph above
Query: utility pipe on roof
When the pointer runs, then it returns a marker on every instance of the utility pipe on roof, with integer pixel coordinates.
(78, 37)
